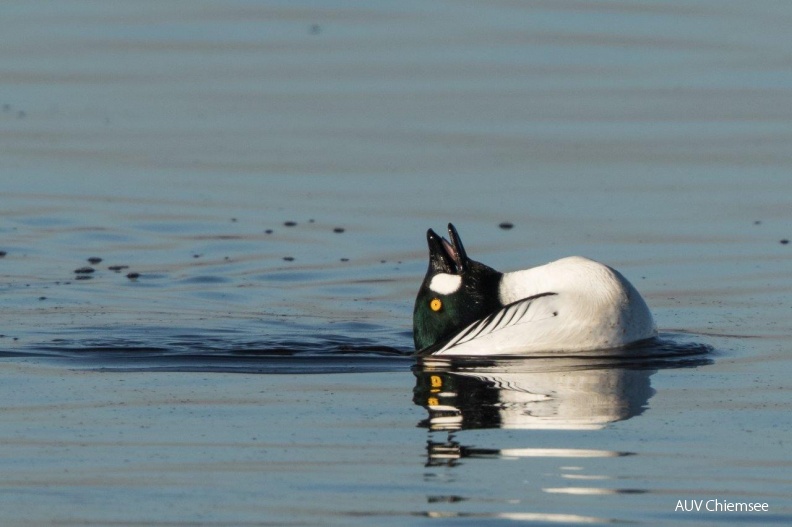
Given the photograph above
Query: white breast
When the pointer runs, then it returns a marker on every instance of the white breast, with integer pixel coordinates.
(594, 307)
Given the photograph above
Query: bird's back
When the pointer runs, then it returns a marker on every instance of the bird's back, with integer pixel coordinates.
(593, 307)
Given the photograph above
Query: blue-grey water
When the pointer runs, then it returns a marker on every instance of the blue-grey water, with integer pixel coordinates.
(257, 179)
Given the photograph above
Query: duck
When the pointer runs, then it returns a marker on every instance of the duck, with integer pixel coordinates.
(571, 305)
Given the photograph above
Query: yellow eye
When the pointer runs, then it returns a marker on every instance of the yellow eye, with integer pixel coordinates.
(436, 304)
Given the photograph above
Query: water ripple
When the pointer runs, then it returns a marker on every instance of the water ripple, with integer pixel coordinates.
(163, 349)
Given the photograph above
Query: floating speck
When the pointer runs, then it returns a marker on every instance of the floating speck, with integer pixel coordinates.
(311, 220)
(133, 276)
(506, 225)
(288, 258)
(84, 270)
(233, 220)
(268, 231)
(784, 241)
(344, 259)
(21, 114)
(315, 29)
(42, 298)
(758, 222)
(196, 255)
(290, 223)
(118, 268)
(94, 260)
(2, 254)
(339, 229)
(83, 277)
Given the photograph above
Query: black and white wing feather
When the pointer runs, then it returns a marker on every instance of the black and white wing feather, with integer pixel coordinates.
(515, 313)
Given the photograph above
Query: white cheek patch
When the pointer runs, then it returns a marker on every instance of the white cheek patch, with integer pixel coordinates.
(445, 284)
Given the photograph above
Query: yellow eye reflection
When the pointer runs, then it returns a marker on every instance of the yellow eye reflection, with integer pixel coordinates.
(436, 304)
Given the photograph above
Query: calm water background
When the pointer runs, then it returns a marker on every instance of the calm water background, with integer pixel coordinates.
(249, 377)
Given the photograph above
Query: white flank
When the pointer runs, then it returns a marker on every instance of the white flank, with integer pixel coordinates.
(593, 308)
(445, 284)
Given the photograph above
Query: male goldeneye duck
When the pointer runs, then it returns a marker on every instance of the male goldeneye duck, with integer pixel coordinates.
(570, 305)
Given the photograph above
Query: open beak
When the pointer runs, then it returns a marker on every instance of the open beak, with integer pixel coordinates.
(446, 256)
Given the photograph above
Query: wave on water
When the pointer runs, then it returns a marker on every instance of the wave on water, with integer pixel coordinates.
(666, 351)
(161, 349)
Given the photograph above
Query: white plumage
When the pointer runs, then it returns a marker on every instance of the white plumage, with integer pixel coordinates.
(569, 305)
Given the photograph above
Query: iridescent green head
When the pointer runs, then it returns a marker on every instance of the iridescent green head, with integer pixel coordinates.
(456, 291)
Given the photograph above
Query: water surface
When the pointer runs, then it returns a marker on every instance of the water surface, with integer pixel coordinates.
(257, 180)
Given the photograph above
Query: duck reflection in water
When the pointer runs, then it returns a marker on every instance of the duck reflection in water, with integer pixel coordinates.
(530, 394)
